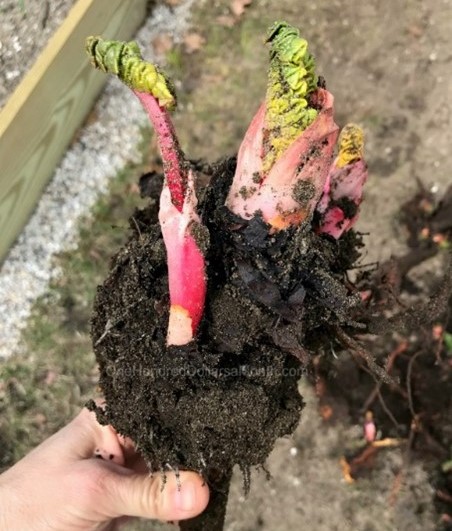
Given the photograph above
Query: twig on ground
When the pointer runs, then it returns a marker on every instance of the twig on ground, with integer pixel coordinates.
(444, 496)
(387, 410)
(408, 383)
(136, 226)
(402, 347)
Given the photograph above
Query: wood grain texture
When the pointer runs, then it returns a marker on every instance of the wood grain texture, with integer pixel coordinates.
(43, 114)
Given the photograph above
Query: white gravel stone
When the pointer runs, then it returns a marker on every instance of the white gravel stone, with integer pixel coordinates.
(102, 150)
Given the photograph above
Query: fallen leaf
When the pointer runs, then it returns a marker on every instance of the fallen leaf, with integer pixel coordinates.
(388, 442)
(226, 20)
(326, 412)
(173, 3)
(346, 471)
(193, 42)
(162, 43)
(238, 6)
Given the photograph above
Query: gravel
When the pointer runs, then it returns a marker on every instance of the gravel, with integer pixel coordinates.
(25, 28)
(100, 152)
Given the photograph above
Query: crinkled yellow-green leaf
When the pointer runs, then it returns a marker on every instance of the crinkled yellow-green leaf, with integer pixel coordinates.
(291, 79)
(124, 60)
(351, 145)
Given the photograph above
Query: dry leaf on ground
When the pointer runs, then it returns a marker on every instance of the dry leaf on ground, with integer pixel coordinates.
(193, 42)
(226, 20)
(162, 43)
(238, 6)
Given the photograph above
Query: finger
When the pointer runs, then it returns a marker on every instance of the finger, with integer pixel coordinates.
(136, 463)
(143, 496)
(132, 457)
(91, 439)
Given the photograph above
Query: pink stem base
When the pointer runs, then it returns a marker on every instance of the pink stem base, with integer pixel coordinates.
(177, 216)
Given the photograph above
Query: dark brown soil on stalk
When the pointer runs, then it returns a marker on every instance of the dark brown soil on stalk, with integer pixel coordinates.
(225, 398)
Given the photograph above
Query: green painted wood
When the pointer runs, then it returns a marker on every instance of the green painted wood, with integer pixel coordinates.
(43, 114)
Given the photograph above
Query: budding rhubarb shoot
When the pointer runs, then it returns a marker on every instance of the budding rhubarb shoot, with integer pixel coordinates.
(184, 236)
(291, 80)
(339, 205)
(283, 161)
(124, 60)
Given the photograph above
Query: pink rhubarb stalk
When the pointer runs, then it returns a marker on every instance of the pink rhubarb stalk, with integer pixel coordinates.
(343, 192)
(178, 219)
(183, 234)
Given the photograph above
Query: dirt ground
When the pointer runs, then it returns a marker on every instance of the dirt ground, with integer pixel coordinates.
(388, 65)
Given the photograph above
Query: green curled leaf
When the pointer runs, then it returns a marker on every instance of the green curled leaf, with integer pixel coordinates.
(124, 59)
(291, 79)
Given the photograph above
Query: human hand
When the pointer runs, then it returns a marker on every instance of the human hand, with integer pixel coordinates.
(61, 485)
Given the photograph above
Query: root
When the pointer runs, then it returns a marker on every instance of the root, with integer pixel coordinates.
(389, 364)
(357, 349)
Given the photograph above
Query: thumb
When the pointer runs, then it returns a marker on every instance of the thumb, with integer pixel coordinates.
(144, 496)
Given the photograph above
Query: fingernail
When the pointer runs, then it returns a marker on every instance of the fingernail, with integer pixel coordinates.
(185, 497)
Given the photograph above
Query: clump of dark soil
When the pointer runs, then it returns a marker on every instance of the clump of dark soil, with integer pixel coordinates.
(225, 398)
